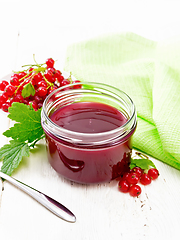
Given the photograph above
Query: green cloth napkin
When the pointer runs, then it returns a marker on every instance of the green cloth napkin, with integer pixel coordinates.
(149, 72)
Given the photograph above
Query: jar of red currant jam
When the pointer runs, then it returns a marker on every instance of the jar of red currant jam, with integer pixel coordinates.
(89, 128)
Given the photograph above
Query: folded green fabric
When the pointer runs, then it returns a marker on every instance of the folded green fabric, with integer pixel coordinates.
(149, 72)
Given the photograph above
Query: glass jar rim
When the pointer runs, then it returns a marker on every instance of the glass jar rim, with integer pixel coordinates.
(88, 138)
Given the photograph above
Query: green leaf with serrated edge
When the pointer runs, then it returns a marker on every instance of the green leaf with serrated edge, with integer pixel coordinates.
(12, 154)
(142, 163)
(23, 132)
(28, 126)
(28, 90)
(19, 111)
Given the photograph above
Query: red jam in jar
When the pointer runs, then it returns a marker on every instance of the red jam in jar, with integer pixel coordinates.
(89, 132)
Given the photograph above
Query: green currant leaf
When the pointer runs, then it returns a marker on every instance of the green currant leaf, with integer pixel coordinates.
(28, 90)
(142, 163)
(132, 165)
(12, 154)
(28, 126)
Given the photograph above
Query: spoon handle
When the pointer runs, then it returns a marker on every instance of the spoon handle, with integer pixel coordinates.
(48, 202)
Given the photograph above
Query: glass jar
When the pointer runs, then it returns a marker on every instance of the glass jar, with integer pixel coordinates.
(89, 157)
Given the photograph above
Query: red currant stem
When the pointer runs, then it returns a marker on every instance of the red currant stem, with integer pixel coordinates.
(34, 65)
(70, 77)
(35, 60)
(27, 76)
(31, 65)
(33, 144)
(142, 155)
(49, 83)
(40, 69)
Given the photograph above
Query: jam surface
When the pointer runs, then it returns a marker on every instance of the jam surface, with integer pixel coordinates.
(83, 164)
(88, 117)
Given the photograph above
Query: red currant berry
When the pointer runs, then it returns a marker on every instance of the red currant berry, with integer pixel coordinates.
(133, 178)
(145, 179)
(57, 74)
(9, 89)
(123, 186)
(33, 82)
(3, 84)
(37, 99)
(135, 190)
(138, 171)
(49, 62)
(14, 81)
(78, 85)
(65, 82)
(153, 173)
(52, 80)
(5, 106)
(125, 175)
(4, 97)
(11, 100)
(37, 78)
(52, 89)
(40, 105)
(31, 70)
(52, 70)
(21, 86)
(60, 79)
(15, 75)
(42, 91)
(1, 103)
(42, 84)
(34, 105)
(21, 75)
(48, 76)
(25, 101)
(18, 98)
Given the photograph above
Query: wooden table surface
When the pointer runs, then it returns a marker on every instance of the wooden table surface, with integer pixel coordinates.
(46, 28)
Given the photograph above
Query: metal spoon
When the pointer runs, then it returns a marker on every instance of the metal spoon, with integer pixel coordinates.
(51, 204)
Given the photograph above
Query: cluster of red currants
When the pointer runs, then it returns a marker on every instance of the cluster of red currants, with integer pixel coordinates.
(129, 181)
(31, 86)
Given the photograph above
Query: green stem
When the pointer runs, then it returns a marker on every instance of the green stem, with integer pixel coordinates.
(35, 60)
(70, 77)
(32, 145)
(142, 155)
(49, 83)
(32, 65)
